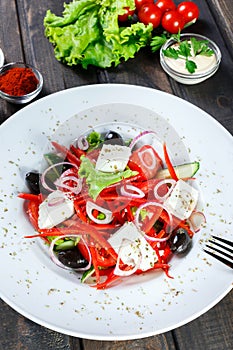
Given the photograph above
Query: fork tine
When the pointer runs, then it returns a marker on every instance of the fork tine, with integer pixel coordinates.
(223, 240)
(219, 251)
(224, 261)
(221, 246)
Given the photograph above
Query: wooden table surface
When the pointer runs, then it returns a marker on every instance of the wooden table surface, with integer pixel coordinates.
(22, 39)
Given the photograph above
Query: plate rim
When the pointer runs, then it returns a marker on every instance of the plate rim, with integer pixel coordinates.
(108, 337)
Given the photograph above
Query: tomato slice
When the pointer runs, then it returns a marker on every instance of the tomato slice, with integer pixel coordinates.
(147, 160)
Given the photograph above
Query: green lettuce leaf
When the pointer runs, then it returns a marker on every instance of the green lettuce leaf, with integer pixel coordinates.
(88, 33)
(98, 180)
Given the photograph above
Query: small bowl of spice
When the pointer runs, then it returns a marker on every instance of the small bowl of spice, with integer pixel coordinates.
(19, 82)
(190, 58)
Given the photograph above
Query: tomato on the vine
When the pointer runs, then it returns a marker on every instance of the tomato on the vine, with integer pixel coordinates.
(172, 21)
(188, 10)
(149, 13)
(128, 13)
(166, 5)
(140, 3)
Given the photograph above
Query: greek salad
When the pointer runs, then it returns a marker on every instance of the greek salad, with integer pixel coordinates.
(109, 207)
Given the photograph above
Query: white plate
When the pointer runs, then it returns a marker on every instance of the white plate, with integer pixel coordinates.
(142, 306)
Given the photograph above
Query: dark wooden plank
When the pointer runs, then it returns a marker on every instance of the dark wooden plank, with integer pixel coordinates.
(223, 14)
(17, 332)
(160, 342)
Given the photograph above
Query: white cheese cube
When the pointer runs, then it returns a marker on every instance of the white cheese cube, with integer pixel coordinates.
(56, 208)
(113, 158)
(130, 241)
(182, 200)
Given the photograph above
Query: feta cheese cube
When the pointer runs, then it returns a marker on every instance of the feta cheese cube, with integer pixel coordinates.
(113, 158)
(182, 200)
(56, 208)
(131, 241)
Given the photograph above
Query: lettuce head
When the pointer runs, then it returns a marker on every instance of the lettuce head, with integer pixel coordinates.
(88, 33)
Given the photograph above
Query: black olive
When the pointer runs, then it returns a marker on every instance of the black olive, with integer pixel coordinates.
(72, 258)
(113, 138)
(33, 182)
(180, 241)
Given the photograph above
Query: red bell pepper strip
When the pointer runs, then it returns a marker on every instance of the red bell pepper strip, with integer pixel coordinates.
(95, 263)
(79, 212)
(169, 163)
(67, 153)
(77, 151)
(33, 213)
(30, 196)
(111, 278)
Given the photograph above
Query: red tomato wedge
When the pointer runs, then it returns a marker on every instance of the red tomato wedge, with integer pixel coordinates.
(148, 160)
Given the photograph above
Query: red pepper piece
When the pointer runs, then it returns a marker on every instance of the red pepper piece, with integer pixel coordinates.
(30, 196)
(77, 151)
(104, 259)
(67, 153)
(95, 263)
(111, 278)
(33, 213)
(79, 212)
(169, 163)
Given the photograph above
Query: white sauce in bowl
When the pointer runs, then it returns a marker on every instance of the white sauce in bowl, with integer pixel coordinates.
(204, 63)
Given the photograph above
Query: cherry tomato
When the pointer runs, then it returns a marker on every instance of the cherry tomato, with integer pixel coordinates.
(140, 3)
(128, 13)
(149, 13)
(166, 5)
(172, 21)
(188, 10)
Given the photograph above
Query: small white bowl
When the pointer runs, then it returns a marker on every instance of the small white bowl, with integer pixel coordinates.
(23, 98)
(189, 78)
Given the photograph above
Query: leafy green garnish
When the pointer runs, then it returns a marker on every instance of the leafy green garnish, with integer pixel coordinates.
(186, 50)
(98, 180)
(88, 33)
(94, 140)
(157, 42)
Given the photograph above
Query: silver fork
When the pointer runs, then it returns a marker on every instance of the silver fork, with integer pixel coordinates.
(220, 249)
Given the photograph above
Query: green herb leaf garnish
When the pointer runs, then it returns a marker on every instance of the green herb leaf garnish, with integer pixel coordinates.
(188, 49)
(190, 66)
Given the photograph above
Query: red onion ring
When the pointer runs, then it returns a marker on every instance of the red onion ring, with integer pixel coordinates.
(136, 220)
(61, 183)
(82, 143)
(43, 182)
(161, 183)
(90, 206)
(56, 201)
(55, 259)
(138, 137)
(139, 193)
(197, 219)
(154, 161)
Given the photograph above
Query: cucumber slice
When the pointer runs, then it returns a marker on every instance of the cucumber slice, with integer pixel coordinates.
(87, 274)
(182, 171)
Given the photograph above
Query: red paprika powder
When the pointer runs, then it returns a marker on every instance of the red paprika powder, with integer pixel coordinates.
(18, 81)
